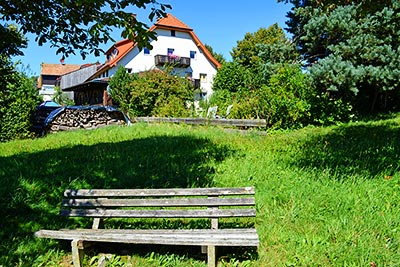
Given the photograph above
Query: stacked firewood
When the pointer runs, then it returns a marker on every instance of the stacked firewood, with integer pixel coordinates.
(72, 119)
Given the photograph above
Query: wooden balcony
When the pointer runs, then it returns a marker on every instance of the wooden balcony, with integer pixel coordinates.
(181, 62)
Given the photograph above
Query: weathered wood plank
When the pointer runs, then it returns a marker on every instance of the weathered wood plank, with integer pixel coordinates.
(170, 192)
(204, 121)
(193, 213)
(77, 253)
(198, 237)
(164, 202)
(211, 256)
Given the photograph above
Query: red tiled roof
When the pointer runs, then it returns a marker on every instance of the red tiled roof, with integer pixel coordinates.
(168, 22)
(172, 22)
(123, 47)
(58, 69)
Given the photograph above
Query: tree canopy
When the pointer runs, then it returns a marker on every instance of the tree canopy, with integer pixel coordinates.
(218, 56)
(78, 25)
(351, 49)
(247, 50)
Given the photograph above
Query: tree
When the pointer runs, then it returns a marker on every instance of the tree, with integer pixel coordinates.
(79, 25)
(305, 10)
(365, 65)
(11, 40)
(352, 51)
(247, 50)
(273, 56)
(219, 57)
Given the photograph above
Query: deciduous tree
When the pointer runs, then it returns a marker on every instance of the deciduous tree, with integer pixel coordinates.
(247, 50)
(219, 57)
(79, 25)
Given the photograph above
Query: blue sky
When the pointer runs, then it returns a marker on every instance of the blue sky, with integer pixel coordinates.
(219, 23)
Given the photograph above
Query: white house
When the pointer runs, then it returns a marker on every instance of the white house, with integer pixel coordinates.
(176, 43)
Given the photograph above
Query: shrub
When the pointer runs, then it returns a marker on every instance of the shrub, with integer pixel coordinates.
(285, 101)
(18, 99)
(232, 77)
(287, 98)
(61, 98)
(120, 88)
(232, 84)
(152, 93)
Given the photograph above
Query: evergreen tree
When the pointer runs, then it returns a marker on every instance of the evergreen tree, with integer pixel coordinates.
(352, 50)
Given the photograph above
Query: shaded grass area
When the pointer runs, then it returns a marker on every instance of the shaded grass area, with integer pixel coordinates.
(325, 196)
(33, 182)
(366, 149)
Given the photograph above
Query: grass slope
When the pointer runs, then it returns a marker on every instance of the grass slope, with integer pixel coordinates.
(325, 196)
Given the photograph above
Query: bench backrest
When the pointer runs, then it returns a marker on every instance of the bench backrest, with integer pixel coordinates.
(210, 203)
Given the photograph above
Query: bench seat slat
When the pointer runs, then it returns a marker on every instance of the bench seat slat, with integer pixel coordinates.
(165, 213)
(198, 237)
(159, 192)
(164, 202)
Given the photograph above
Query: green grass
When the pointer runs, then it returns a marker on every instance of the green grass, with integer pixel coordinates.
(325, 196)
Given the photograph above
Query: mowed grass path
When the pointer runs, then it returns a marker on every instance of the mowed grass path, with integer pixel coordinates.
(325, 196)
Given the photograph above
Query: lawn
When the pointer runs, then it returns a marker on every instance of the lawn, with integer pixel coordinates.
(326, 196)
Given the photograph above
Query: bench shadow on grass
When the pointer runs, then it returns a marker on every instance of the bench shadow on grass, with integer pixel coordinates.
(366, 150)
(33, 183)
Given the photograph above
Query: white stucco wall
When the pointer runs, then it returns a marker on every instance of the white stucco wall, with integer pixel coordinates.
(182, 44)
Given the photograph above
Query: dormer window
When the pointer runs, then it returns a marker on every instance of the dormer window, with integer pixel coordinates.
(173, 33)
(113, 54)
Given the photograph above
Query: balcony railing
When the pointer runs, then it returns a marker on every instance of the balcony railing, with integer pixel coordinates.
(182, 62)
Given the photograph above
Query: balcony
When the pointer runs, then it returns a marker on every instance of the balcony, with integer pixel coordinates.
(181, 62)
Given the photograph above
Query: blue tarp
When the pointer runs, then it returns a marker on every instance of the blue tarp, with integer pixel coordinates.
(49, 103)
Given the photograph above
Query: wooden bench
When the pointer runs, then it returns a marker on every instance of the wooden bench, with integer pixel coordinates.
(209, 203)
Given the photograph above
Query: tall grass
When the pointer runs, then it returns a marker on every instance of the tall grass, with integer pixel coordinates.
(325, 196)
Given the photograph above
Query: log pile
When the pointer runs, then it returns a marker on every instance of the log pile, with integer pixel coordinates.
(89, 118)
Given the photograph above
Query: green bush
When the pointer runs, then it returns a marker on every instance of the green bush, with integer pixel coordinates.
(285, 101)
(151, 93)
(18, 99)
(231, 77)
(61, 98)
(287, 98)
(233, 85)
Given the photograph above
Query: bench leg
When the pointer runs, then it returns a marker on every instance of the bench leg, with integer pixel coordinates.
(211, 256)
(77, 253)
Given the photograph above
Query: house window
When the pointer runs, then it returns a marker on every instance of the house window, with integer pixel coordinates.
(203, 77)
(170, 51)
(146, 51)
(173, 33)
(128, 70)
(192, 54)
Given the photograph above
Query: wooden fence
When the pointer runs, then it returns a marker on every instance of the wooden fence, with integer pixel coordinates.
(204, 121)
